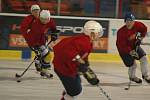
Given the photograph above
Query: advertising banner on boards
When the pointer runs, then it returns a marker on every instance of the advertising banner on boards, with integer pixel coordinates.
(67, 27)
(75, 26)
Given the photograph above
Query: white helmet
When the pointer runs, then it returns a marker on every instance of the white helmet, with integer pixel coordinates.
(93, 26)
(45, 14)
(35, 7)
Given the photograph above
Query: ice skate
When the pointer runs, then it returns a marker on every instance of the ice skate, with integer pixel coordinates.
(136, 80)
(146, 78)
(45, 73)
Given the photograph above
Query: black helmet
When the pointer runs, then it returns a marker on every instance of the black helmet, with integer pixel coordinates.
(129, 17)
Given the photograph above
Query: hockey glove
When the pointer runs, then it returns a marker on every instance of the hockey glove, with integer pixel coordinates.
(134, 54)
(36, 51)
(54, 35)
(91, 77)
(138, 39)
(83, 67)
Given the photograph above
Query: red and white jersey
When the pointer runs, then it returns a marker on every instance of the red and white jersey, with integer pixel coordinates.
(34, 31)
(67, 49)
(126, 37)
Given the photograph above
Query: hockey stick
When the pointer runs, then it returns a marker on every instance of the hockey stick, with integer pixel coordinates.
(105, 94)
(19, 76)
(129, 85)
(145, 43)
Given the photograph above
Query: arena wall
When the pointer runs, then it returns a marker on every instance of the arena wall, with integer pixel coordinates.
(69, 26)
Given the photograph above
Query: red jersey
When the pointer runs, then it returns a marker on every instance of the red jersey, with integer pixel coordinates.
(125, 41)
(34, 31)
(66, 50)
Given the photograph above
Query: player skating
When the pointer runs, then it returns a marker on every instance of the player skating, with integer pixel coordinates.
(71, 56)
(34, 30)
(128, 42)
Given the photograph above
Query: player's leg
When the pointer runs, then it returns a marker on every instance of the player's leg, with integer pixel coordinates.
(45, 61)
(37, 58)
(43, 58)
(144, 69)
(72, 86)
(132, 72)
(45, 66)
(144, 64)
(37, 64)
(129, 61)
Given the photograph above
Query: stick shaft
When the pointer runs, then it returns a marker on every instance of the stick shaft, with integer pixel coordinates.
(145, 43)
(106, 95)
(129, 84)
(28, 67)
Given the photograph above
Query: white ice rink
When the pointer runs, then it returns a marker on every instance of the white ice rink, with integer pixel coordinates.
(113, 77)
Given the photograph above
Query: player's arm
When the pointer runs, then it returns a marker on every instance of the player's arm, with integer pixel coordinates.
(24, 27)
(54, 33)
(82, 63)
(142, 31)
(87, 72)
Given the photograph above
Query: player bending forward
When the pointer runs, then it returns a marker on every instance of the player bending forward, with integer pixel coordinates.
(128, 43)
(35, 33)
(71, 56)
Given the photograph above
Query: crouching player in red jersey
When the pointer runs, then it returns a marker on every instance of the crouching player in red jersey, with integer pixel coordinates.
(35, 35)
(128, 42)
(71, 56)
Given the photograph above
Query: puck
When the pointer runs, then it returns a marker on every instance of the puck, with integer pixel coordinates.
(126, 88)
(18, 81)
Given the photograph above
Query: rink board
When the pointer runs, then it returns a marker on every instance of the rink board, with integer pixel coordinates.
(16, 55)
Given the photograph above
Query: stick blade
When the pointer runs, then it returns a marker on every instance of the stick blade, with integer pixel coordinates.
(17, 75)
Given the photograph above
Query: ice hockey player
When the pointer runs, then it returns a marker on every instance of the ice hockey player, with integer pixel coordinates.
(128, 42)
(35, 33)
(71, 56)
